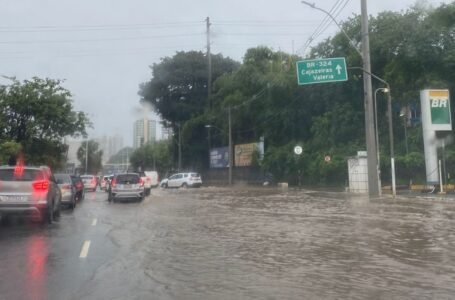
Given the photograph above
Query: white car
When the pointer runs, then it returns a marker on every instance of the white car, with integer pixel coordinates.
(184, 180)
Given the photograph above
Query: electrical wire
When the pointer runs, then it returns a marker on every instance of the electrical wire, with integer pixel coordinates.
(102, 39)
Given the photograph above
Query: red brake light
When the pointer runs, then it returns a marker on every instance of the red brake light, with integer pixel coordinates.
(141, 182)
(40, 185)
(114, 182)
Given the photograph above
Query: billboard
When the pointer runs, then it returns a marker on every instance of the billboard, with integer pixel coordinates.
(244, 153)
(436, 116)
(436, 109)
(219, 157)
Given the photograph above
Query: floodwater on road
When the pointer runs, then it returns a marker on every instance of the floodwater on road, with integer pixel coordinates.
(240, 243)
(216, 243)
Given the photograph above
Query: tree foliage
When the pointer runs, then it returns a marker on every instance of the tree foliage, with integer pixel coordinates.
(93, 155)
(178, 92)
(153, 156)
(411, 50)
(37, 114)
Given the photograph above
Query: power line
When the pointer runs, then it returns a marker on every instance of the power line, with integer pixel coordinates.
(324, 24)
(96, 27)
(101, 39)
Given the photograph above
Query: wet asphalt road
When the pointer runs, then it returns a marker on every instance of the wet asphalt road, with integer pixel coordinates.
(216, 243)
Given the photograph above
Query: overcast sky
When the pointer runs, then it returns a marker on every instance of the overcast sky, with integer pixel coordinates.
(103, 48)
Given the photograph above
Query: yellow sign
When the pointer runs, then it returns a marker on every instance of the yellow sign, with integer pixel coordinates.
(244, 154)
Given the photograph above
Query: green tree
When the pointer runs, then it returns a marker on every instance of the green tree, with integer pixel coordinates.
(153, 156)
(178, 92)
(94, 157)
(37, 114)
(9, 149)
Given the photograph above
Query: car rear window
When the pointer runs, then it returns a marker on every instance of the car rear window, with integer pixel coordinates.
(61, 178)
(195, 175)
(128, 179)
(21, 175)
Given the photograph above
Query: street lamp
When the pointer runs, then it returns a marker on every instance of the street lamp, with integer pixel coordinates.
(230, 145)
(384, 90)
(404, 115)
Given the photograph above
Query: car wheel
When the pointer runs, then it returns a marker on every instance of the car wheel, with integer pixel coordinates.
(164, 185)
(57, 212)
(184, 185)
(73, 203)
(48, 215)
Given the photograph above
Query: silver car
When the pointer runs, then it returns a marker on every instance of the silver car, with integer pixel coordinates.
(90, 182)
(126, 186)
(29, 191)
(67, 189)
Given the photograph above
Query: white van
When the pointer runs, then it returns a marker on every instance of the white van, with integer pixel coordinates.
(154, 178)
(150, 179)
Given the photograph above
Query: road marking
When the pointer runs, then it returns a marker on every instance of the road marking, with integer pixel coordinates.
(85, 248)
(94, 222)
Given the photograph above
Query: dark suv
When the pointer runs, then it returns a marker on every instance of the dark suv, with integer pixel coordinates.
(29, 191)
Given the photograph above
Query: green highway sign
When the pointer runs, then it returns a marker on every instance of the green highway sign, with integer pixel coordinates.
(321, 70)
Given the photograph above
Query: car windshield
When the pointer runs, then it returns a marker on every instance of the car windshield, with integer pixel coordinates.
(128, 179)
(20, 174)
(62, 178)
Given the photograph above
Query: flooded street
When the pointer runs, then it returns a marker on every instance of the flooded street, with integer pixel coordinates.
(246, 243)
(289, 245)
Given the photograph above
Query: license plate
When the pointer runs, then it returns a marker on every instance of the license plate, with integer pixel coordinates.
(13, 198)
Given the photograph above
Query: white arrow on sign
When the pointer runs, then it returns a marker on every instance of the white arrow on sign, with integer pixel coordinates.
(338, 67)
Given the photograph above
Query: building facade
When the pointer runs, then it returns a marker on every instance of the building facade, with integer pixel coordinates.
(144, 131)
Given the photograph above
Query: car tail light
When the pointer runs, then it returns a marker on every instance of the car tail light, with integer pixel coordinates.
(148, 179)
(40, 185)
(114, 182)
(79, 185)
(94, 180)
(141, 182)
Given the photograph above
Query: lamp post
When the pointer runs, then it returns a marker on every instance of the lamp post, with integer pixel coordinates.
(384, 90)
(404, 115)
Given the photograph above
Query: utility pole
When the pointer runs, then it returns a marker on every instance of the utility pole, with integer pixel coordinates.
(86, 156)
(392, 151)
(373, 186)
(180, 148)
(230, 146)
(209, 63)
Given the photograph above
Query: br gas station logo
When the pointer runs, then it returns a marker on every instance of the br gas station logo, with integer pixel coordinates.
(439, 106)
